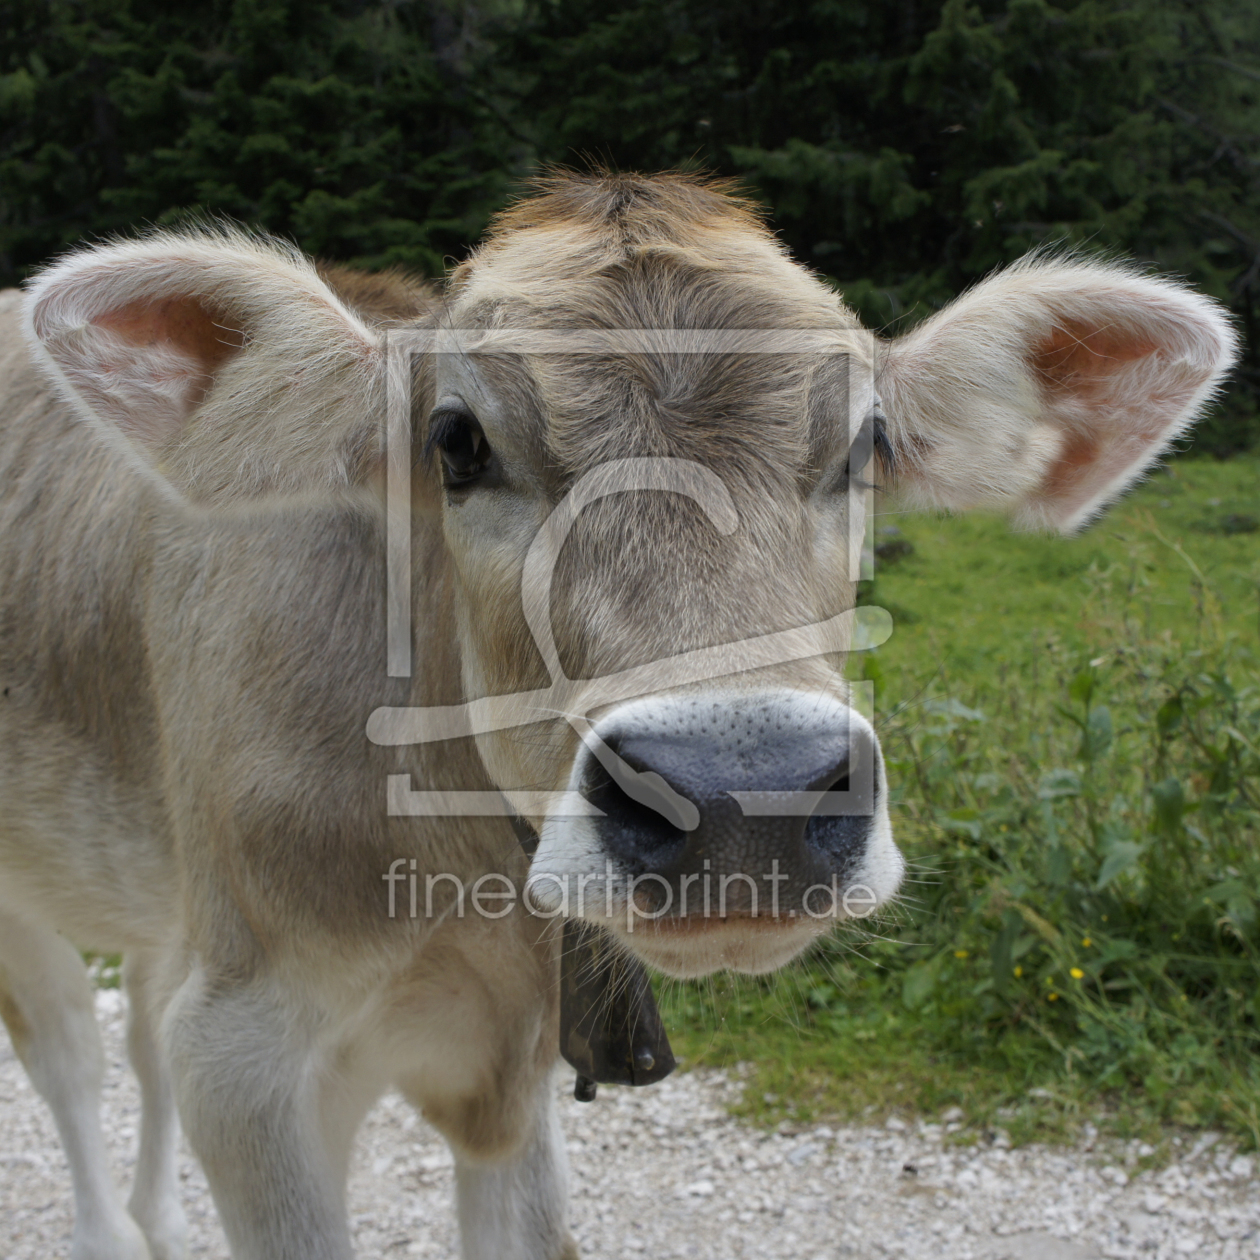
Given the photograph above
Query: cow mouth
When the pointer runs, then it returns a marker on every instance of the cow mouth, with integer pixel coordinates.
(696, 945)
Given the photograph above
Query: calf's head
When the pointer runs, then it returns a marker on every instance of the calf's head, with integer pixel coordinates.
(740, 812)
(643, 443)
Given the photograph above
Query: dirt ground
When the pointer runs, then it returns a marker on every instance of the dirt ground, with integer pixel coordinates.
(667, 1172)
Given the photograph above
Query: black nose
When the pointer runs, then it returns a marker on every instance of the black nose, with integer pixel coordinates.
(734, 816)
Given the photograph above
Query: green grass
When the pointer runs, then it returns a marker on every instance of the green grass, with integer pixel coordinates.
(1072, 730)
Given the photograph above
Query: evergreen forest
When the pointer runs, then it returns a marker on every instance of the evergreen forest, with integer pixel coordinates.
(902, 148)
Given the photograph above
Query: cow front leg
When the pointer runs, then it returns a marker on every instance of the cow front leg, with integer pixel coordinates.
(154, 1202)
(517, 1208)
(47, 1004)
(249, 1080)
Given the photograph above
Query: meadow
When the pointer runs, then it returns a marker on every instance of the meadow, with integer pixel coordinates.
(1072, 731)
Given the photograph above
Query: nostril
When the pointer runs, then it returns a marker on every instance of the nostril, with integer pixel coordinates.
(632, 772)
(841, 834)
(632, 831)
(840, 837)
(833, 773)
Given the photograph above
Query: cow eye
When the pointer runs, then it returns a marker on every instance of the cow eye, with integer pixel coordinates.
(872, 440)
(457, 437)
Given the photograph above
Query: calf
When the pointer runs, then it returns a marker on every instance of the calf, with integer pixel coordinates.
(326, 600)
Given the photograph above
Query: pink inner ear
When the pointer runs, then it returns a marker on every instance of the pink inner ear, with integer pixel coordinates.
(1078, 456)
(182, 323)
(1083, 359)
(1112, 411)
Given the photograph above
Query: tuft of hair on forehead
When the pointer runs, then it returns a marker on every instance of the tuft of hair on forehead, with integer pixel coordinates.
(573, 224)
(567, 245)
(640, 209)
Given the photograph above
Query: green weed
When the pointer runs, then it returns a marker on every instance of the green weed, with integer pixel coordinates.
(1076, 784)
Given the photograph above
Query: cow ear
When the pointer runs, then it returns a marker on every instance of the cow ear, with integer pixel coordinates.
(1049, 388)
(222, 357)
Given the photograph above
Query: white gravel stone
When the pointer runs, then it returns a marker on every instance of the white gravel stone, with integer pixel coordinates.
(666, 1172)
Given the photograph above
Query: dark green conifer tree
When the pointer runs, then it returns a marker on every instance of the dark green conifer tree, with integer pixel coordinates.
(902, 147)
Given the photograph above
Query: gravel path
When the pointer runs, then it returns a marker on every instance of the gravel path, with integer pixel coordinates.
(665, 1172)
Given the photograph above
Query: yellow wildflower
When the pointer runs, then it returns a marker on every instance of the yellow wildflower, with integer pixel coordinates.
(1019, 971)
(1087, 942)
(1052, 997)
(960, 953)
(1077, 974)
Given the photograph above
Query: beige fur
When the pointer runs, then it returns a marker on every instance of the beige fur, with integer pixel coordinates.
(192, 638)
